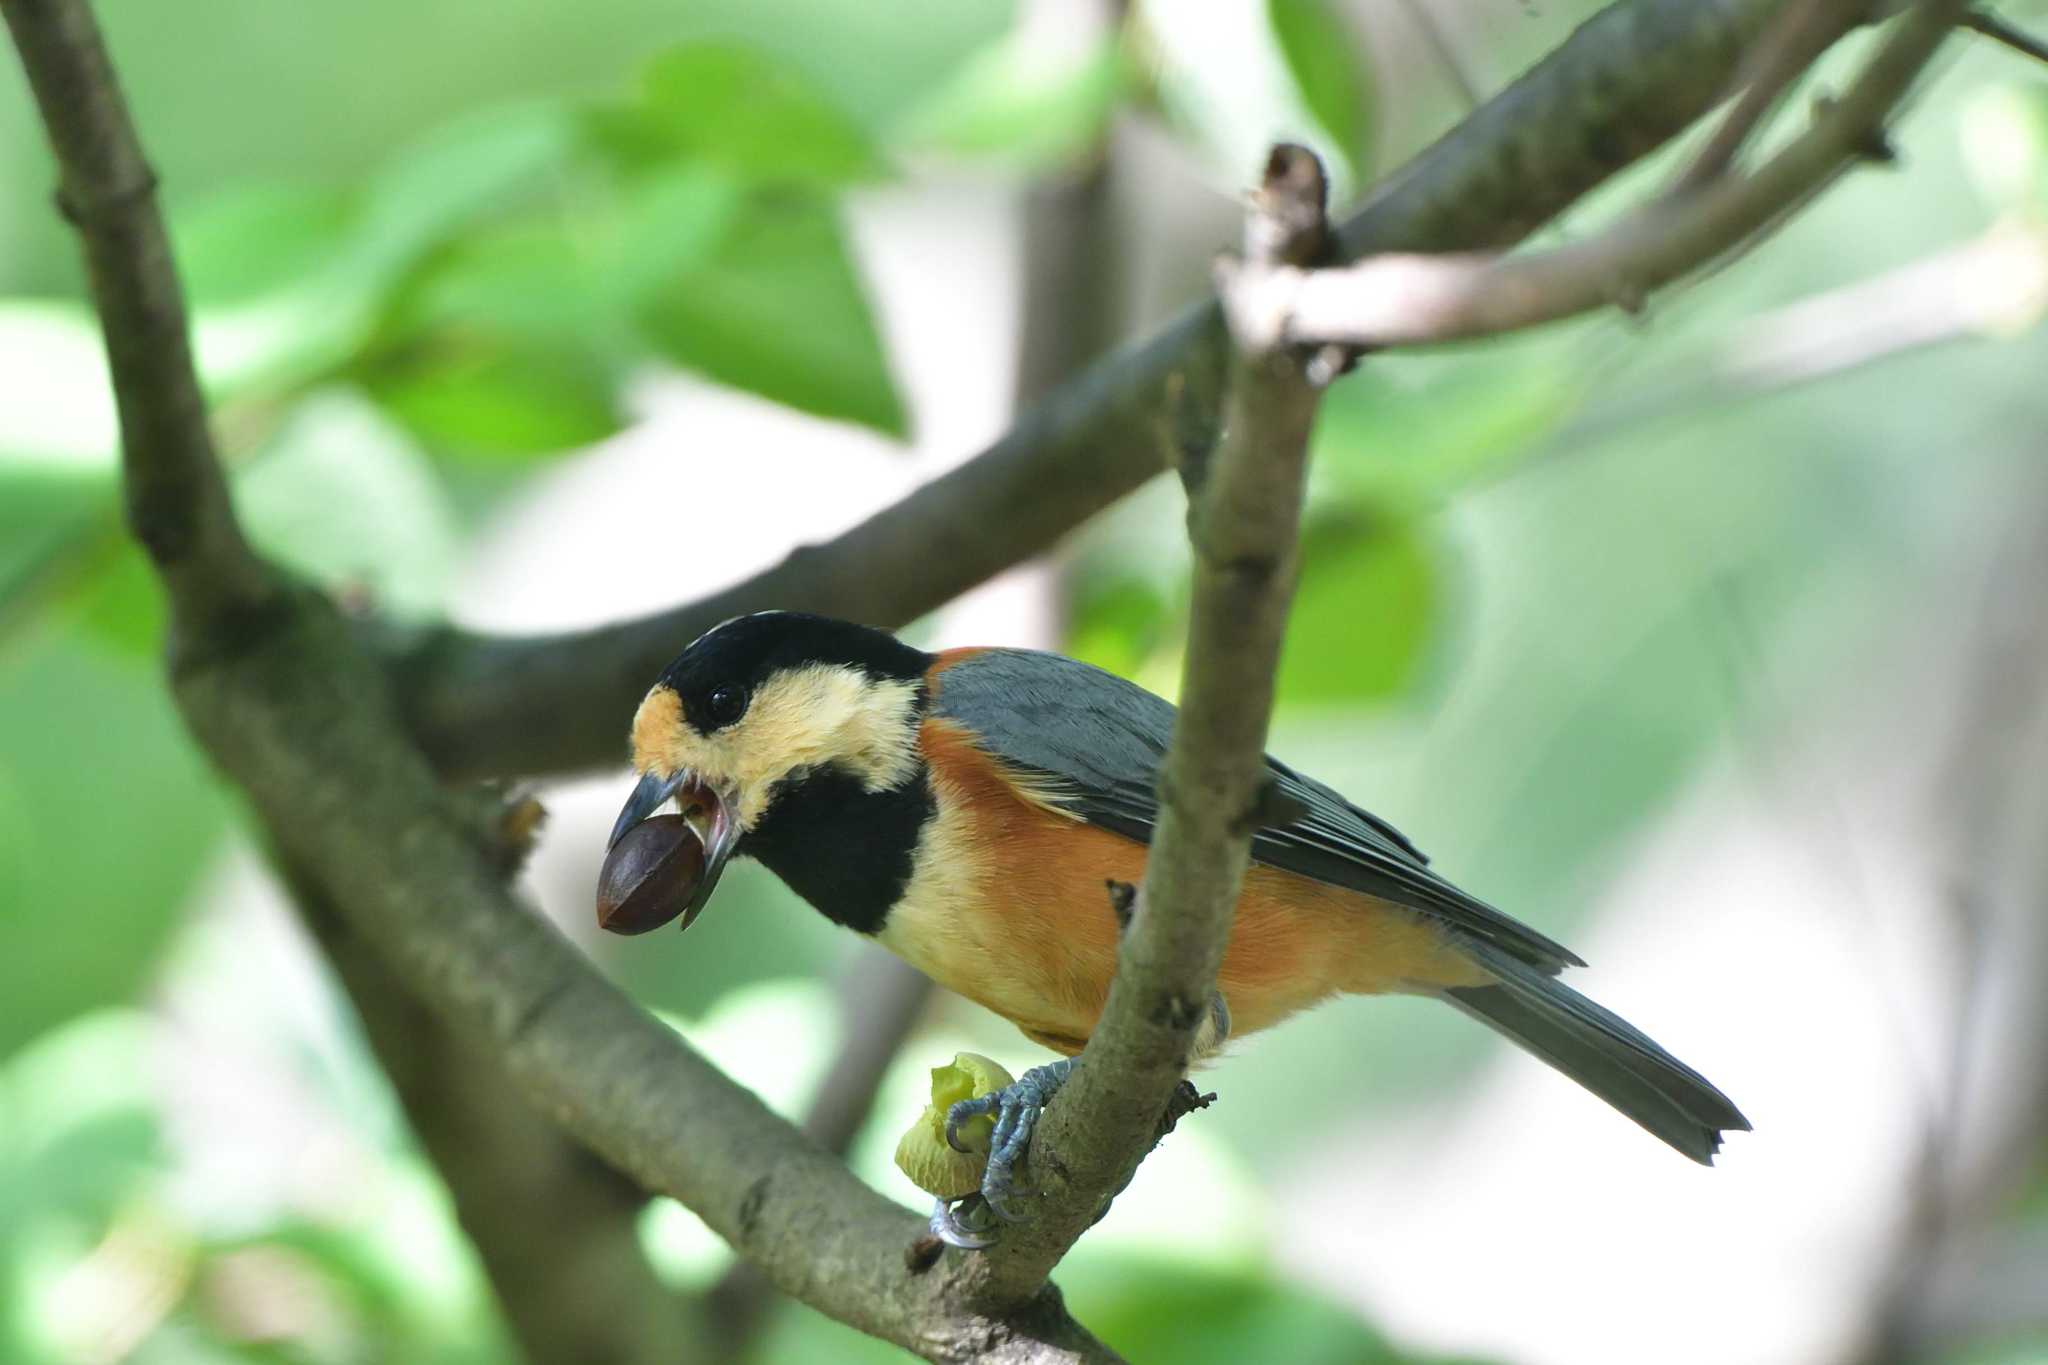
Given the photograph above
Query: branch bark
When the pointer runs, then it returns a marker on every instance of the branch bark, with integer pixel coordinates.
(1406, 300)
(1625, 82)
(557, 1230)
(880, 999)
(1801, 32)
(1243, 519)
(277, 688)
(522, 1191)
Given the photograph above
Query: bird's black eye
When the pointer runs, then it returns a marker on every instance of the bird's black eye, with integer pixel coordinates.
(726, 703)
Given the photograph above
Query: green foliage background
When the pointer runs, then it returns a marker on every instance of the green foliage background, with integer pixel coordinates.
(430, 246)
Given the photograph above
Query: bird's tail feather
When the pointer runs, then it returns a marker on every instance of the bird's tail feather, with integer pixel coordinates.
(1601, 1051)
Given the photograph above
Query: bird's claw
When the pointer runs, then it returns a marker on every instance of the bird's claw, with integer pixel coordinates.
(1016, 1108)
(963, 1223)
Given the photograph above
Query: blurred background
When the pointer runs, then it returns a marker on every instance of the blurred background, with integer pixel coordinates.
(1711, 641)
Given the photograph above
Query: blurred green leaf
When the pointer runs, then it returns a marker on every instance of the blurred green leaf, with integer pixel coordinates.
(374, 1291)
(779, 311)
(1329, 72)
(2020, 1348)
(671, 221)
(1119, 621)
(740, 109)
(255, 240)
(116, 599)
(1362, 615)
(278, 293)
(527, 279)
(459, 174)
(1025, 102)
(481, 397)
(43, 513)
(1158, 1310)
(1404, 435)
(342, 496)
(106, 817)
(76, 1128)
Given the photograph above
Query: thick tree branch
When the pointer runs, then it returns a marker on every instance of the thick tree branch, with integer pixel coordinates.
(1243, 516)
(177, 500)
(1628, 80)
(278, 689)
(881, 998)
(1395, 300)
(556, 1229)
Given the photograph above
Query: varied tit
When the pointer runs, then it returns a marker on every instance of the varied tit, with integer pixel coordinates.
(967, 808)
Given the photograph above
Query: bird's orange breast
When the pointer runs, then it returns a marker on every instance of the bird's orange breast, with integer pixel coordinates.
(1009, 907)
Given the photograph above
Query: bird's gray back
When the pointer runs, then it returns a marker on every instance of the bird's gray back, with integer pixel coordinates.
(1099, 740)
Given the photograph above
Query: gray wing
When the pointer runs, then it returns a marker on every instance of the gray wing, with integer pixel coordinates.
(1098, 740)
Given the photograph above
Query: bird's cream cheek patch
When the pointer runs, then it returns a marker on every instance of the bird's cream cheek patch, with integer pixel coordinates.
(655, 727)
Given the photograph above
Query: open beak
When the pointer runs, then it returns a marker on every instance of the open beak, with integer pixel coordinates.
(709, 813)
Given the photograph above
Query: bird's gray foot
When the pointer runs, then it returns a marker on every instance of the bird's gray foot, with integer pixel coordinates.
(1016, 1108)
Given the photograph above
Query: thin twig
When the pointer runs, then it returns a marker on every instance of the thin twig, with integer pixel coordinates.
(2019, 40)
(1418, 300)
(1243, 521)
(1803, 31)
(1993, 285)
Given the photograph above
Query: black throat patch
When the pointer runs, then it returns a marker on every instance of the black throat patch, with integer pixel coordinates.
(846, 850)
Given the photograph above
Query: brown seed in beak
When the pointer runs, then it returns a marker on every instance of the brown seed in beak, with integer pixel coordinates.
(650, 875)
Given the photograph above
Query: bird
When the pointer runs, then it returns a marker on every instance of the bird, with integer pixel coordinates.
(966, 808)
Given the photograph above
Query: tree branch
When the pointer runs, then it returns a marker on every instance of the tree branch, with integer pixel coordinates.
(278, 689)
(1626, 81)
(556, 1229)
(1395, 300)
(1801, 32)
(1998, 31)
(1243, 516)
(881, 998)
(177, 501)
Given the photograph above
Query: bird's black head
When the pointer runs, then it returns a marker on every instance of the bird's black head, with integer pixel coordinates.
(717, 677)
(764, 699)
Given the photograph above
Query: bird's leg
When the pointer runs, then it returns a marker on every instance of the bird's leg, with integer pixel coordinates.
(972, 1222)
(1016, 1107)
